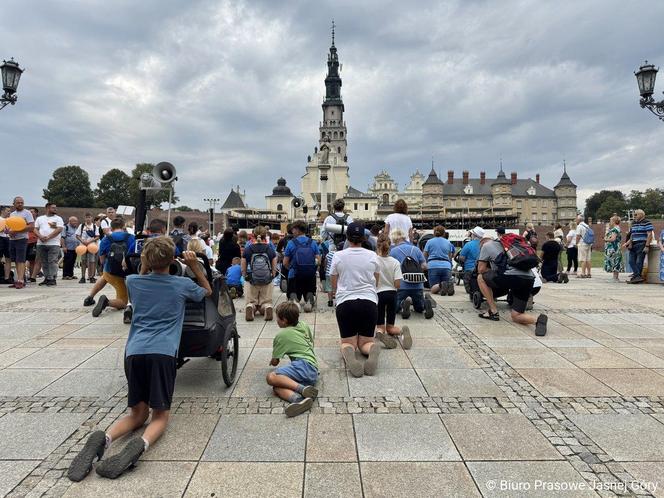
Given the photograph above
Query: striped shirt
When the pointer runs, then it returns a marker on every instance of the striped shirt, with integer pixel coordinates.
(640, 230)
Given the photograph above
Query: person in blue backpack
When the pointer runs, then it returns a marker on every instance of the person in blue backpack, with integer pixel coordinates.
(413, 264)
(301, 258)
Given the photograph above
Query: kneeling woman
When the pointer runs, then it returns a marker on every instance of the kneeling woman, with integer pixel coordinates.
(354, 273)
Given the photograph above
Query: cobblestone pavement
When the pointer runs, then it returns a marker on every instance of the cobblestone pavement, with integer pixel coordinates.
(476, 408)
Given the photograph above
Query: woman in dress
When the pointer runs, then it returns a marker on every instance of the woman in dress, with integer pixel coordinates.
(612, 255)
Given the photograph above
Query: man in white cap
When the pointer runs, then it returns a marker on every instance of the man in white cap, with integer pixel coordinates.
(469, 254)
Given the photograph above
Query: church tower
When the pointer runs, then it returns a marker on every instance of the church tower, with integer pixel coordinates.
(565, 192)
(327, 169)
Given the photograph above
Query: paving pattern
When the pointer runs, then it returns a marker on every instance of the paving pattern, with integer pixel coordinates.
(476, 408)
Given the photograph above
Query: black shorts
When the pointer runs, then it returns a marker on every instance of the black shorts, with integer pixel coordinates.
(18, 249)
(31, 253)
(521, 287)
(4, 247)
(357, 317)
(151, 379)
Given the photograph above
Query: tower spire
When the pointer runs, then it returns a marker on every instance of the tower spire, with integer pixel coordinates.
(333, 26)
(501, 162)
(564, 166)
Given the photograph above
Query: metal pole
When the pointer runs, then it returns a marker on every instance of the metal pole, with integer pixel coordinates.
(170, 200)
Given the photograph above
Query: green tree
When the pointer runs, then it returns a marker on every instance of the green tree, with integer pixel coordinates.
(154, 198)
(653, 202)
(183, 208)
(635, 199)
(594, 202)
(70, 187)
(609, 206)
(113, 189)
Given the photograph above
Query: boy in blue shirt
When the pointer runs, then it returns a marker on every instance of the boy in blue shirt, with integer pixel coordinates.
(469, 254)
(234, 278)
(302, 257)
(150, 357)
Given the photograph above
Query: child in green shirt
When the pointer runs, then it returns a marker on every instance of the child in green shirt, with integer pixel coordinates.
(294, 382)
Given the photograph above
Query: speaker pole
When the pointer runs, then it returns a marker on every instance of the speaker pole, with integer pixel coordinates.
(141, 210)
(170, 200)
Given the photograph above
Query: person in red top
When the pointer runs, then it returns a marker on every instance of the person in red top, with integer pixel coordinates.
(34, 265)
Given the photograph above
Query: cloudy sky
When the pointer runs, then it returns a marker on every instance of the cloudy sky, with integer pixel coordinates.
(230, 91)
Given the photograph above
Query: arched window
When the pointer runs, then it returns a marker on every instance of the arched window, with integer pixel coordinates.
(386, 199)
(341, 134)
(280, 207)
(339, 150)
(336, 135)
(322, 134)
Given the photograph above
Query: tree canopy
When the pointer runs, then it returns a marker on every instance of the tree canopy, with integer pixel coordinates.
(114, 190)
(595, 201)
(70, 187)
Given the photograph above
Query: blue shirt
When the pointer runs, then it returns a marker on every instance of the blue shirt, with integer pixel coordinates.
(439, 251)
(105, 245)
(158, 301)
(290, 252)
(470, 251)
(234, 275)
(640, 230)
(400, 253)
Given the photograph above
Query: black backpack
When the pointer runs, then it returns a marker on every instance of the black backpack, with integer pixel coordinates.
(261, 268)
(340, 238)
(412, 270)
(116, 257)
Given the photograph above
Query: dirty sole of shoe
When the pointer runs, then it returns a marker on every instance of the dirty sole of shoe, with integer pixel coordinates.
(371, 364)
(81, 465)
(354, 365)
(116, 465)
(294, 409)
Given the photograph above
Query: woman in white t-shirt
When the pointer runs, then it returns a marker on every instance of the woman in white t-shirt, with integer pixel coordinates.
(399, 220)
(389, 280)
(354, 274)
(572, 250)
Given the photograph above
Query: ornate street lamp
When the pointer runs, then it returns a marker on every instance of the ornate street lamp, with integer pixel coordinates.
(645, 77)
(11, 74)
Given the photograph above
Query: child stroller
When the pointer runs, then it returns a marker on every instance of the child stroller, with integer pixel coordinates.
(209, 328)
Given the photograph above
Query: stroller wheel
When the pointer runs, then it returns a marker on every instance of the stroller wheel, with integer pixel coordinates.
(229, 356)
(477, 299)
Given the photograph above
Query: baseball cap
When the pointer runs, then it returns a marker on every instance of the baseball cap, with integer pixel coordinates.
(478, 232)
(500, 230)
(355, 230)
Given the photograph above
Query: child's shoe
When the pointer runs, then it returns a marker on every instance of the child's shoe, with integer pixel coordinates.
(249, 314)
(406, 338)
(388, 341)
(268, 314)
(81, 465)
(294, 409)
(405, 308)
(310, 392)
(115, 466)
(309, 302)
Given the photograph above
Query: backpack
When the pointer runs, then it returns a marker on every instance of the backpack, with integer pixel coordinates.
(412, 270)
(532, 238)
(588, 235)
(340, 238)
(304, 259)
(116, 256)
(179, 241)
(518, 253)
(261, 268)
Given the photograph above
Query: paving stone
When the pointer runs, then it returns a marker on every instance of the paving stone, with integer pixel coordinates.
(498, 437)
(649, 476)
(331, 480)
(24, 382)
(162, 479)
(597, 358)
(13, 472)
(406, 479)
(534, 359)
(12, 355)
(35, 436)
(196, 383)
(107, 358)
(525, 479)
(458, 382)
(330, 438)
(441, 358)
(625, 437)
(251, 480)
(403, 438)
(55, 358)
(631, 381)
(257, 438)
(564, 382)
(87, 382)
(332, 383)
(393, 382)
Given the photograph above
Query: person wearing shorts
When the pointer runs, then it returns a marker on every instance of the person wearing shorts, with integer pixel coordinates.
(519, 282)
(5, 277)
(354, 273)
(18, 241)
(150, 358)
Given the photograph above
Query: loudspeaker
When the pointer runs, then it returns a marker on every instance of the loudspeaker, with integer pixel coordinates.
(164, 172)
(297, 202)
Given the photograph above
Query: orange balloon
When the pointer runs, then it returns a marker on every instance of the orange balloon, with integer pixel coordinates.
(81, 250)
(93, 248)
(16, 223)
(2, 224)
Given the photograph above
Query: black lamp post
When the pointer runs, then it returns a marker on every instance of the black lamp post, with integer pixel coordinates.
(645, 77)
(11, 74)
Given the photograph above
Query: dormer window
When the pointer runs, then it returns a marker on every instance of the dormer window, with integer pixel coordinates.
(532, 190)
(468, 189)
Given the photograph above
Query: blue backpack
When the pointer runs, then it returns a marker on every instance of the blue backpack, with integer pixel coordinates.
(304, 259)
(588, 236)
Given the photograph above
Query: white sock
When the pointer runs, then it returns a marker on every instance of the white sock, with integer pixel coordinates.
(109, 440)
(145, 443)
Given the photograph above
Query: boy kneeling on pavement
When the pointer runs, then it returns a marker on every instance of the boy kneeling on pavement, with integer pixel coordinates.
(150, 357)
(294, 382)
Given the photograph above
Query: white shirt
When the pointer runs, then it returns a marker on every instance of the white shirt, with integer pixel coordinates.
(400, 221)
(46, 225)
(105, 225)
(581, 230)
(331, 221)
(389, 270)
(355, 268)
(571, 238)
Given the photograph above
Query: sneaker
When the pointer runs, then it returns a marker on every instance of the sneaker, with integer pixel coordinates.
(428, 309)
(32, 279)
(51, 283)
(354, 365)
(540, 326)
(330, 303)
(249, 314)
(114, 466)
(565, 278)
(127, 314)
(406, 338)
(294, 409)
(371, 364)
(81, 465)
(92, 280)
(405, 308)
(450, 288)
(88, 301)
(310, 392)
(309, 302)
(637, 280)
(233, 292)
(82, 280)
(268, 314)
(43, 282)
(101, 305)
(388, 341)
